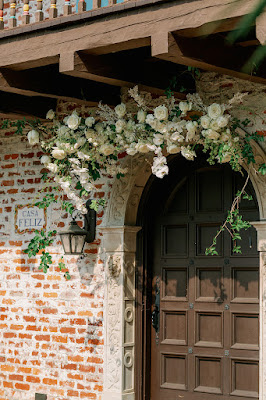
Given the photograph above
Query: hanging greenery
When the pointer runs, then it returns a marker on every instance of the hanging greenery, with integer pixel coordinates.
(79, 150)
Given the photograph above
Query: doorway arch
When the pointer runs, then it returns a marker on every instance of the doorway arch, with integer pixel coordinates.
(118, 229)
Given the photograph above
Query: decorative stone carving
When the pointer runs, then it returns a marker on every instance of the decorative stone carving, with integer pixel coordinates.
(114, 266)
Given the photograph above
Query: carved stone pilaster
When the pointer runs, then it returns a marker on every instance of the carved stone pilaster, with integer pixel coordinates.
(119, 246)
(261, 232)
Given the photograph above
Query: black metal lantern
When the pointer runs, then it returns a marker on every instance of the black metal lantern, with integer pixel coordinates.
(74, 238)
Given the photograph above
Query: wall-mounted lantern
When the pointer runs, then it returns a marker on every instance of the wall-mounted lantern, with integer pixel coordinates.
(74, 238)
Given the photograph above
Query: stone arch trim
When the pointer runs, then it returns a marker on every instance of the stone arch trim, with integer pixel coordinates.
(119, 244)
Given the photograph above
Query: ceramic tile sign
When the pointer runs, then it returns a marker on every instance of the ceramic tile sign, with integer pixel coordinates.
(29, 218)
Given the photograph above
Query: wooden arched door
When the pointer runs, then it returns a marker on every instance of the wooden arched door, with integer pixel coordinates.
(207, 342)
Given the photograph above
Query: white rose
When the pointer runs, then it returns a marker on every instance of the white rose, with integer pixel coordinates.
(222, 121)
(89, 122)
(177, 137)
(212, 134)
(188, 153)
(131, 151)
(215, 111)
(33, 137)
(130, 125)
(52, 167)
(173, 149)
(58, 153)
(50, 114)
(141, 116)
(185, 106)
(65, 120)
(157, 139)
(99, 128)
(120, 110)
(214, 125)
(45, 160)
(73, 121)
(107, 149)
(161, 113)
(205, 121)
(162, 171)
(142, 147)
(120, 125)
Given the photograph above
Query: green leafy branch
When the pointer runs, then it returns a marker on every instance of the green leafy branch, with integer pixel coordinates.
(234, 223)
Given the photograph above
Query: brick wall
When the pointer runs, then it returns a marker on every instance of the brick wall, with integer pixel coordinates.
(51, 330)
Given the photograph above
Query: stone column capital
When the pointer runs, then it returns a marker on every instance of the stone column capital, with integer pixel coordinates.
(260, 226)
(119, 238)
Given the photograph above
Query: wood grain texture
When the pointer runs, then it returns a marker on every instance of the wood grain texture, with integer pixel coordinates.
(134, 25)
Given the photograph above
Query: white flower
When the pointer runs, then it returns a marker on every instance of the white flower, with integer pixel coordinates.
(90, 134)
(185, 106)
(205, 121)
(131, 151)
(149, 119)
(45, 160)
(142, 147)
(236, 139)
(65, 120)
(120, 125)
(177, 137)
(222, 121)
(212, 134)
(161, 113)
(33, 137)
(215, 111)
(89, 122)
(107, 149)
(73, 121)
(157, 139)
(58, 153)
(141, 116)
(99, 127)
(50, 114)
(120, 110)
(130, 125)
(191, 129)
(188, 153)
(214, 125)
(173, 149)
(162, 171)
(52, 167)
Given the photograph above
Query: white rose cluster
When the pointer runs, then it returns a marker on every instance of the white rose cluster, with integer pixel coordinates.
(81, 148)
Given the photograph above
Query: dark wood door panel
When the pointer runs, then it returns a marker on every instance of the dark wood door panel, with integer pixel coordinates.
(207, 345)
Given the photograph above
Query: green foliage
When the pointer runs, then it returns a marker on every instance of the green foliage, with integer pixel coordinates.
(234, 223)
(95, 204)
(46, 201)
(262, 169)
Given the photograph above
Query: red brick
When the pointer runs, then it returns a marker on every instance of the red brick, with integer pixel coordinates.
(33, 379)
(73, 393)
(22, 386)
(43, 337)
(15, 377)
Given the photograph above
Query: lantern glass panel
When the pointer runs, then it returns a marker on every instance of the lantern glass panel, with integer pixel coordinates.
(65, 239)
(77, 243)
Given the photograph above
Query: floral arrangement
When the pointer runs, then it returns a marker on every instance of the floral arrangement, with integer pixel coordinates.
(79, 149)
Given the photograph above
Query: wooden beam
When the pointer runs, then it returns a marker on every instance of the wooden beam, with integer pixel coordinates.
(48, 82)
(209, 54)
(210, 28)
(132, 25)
(13, 105)
(118, 70)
